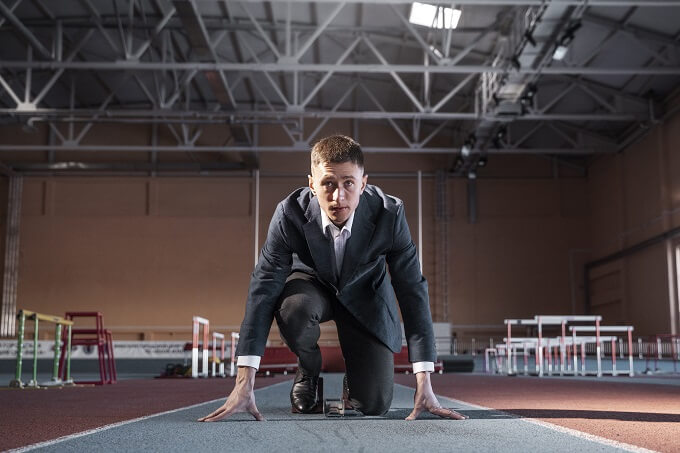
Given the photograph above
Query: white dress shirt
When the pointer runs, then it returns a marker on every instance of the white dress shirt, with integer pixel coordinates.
(339, 237)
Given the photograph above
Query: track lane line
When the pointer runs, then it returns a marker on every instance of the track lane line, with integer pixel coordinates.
(58, 440)
(558, 428)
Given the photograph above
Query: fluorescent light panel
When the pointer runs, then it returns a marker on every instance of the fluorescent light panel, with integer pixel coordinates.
(434, 16)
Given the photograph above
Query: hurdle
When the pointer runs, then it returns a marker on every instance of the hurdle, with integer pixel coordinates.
(555, 320)
(232, 353)
(613, 329)
(59, 323)
(215, 337)
(197, 322)
(508, 340)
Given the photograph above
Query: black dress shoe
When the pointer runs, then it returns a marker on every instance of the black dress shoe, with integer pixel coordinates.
(304, 394)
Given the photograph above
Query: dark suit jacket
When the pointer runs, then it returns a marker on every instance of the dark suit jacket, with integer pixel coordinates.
(380, 237)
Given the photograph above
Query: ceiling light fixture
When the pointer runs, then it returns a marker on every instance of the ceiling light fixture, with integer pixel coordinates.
(563, 43)
(434, 16)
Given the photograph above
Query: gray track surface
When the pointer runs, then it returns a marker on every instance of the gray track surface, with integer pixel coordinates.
(485, 431)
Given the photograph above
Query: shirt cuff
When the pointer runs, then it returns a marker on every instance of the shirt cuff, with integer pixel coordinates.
(252, 361)
(419, 367)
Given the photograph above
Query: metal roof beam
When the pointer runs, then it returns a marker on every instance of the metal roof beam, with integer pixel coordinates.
(24, 31)
(284, 149)
(224, 116)
(612, 3)
(324, 67)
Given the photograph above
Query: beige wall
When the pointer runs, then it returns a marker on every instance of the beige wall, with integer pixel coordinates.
(150, 252)
(635, 196)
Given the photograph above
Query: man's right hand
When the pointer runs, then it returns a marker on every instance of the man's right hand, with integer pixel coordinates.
(241, 399)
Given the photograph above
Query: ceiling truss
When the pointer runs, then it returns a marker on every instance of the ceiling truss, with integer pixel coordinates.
(184, 65)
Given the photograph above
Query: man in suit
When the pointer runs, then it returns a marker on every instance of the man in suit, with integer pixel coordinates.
(326, 257)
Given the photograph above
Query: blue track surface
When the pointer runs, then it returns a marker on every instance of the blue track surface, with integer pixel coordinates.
(485, 431)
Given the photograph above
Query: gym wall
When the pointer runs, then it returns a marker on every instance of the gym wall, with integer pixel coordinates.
(150, 252)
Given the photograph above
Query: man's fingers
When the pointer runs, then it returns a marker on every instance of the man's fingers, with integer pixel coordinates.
(257, 415)
(448, 413)
(217, 415)
(414, 414)
(210, 415)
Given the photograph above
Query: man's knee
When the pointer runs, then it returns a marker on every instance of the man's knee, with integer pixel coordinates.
(374, 406)
(300, 308)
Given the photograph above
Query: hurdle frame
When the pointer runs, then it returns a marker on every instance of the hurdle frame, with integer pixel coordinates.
(508, 338)
(609, 329)
(216, 336)
(556, 320)
(232, 353)
(197, 322)
(59, 324)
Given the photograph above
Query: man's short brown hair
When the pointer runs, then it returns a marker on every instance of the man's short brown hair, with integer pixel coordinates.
(337, 149)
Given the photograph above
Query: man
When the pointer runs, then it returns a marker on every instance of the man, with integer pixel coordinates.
(326, 257)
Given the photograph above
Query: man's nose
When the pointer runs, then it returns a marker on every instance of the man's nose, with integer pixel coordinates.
(339, 194)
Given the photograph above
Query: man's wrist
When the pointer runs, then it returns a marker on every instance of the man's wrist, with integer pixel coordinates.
(252, 361)
(420, 367)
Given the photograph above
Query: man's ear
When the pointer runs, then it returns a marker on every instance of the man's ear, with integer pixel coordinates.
(310, 181)
(363, 183)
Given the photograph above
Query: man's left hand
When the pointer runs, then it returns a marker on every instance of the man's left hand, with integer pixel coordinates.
(425, 400)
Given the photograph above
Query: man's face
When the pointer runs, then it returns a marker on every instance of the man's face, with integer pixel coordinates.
(338, 188)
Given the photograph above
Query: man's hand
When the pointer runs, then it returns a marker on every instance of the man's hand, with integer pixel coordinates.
(241, 399)
(424, 400)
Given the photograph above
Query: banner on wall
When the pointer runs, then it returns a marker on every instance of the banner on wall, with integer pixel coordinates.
(121, 350)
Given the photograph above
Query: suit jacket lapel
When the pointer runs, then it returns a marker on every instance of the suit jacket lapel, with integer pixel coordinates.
(362, 232)
(318, 243)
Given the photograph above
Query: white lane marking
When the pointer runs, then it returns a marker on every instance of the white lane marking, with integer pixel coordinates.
(47, 443)
(561, 429)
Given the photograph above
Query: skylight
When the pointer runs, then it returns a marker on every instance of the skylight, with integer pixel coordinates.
(434, 16)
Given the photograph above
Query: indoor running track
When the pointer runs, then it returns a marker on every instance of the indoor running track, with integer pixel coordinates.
(486, 430)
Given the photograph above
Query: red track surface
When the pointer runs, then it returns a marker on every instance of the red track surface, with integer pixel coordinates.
(645, 415)
(30, 416)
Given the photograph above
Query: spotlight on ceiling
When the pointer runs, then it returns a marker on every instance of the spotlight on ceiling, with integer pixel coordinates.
(433, 16)
(567, 37)
(468, 145)
(482, 161)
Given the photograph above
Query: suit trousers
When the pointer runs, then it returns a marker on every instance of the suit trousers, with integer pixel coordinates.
(304, 304)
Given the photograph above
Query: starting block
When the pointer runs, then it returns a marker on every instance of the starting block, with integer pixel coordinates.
(334, 408)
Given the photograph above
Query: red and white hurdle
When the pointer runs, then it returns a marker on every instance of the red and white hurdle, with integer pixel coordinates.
(197, 323)
(218, 336)
(606, 329)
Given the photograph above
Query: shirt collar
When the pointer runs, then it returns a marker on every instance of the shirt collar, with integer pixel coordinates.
(326, 222)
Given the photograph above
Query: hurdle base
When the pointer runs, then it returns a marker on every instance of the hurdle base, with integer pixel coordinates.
(52, 383)
(16, 384)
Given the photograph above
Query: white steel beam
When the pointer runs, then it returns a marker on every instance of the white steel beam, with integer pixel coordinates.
(262, 33)
(395, 76)
(50, 83)
(180, 115)
(328, 75)
(283, 149)
(318, 31)
(24, 31)
(612, 3)
(156, 31)
(325, 67)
